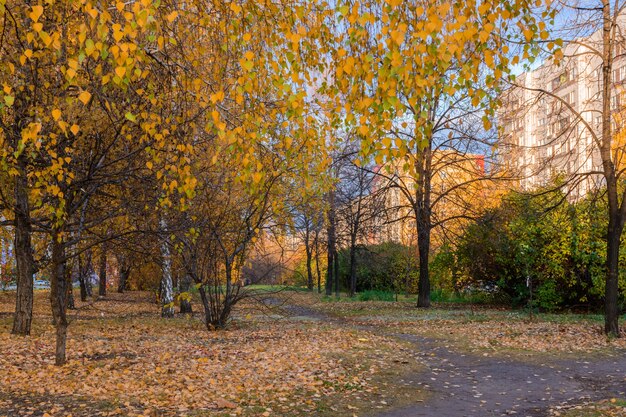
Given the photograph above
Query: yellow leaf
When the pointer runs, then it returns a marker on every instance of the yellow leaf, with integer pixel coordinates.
(170, 17)
(84, 97)
(528, 34)
(75, 129)
(36, 13)
(217, 97)
(235, 7)
(56, 114)
(120, 71)
(47, 40)
(349, 65)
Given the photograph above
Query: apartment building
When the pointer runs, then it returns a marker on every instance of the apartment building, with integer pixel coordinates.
(547, 118)
(456, 190)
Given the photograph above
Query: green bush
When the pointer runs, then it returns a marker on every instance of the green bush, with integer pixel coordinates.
(548, 296)
(559, 245)
(389, 267)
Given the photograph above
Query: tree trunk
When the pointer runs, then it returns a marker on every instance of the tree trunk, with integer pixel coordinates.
(336, 274)
(352, 266)
(185, 286)
(423, 286)
(423, 223)
(329, 272)
(616, 221)
(88, 273)
(24, 260)
(317, 263)
(611, 296)
(102, 287)
(81, 280)
(309, 259)
(58, 297)
(332, 253)
(124, 268)
(70, 291)
(167, 290)
(227, 304)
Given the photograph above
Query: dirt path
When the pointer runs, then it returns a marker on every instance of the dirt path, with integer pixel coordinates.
(460, 384)
(465, 385)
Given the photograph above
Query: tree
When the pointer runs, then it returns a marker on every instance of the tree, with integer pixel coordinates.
(589, 129)
(82, 133)
(426, 65)
(359, 205)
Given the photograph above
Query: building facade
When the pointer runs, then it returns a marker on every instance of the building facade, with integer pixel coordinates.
(547, 118)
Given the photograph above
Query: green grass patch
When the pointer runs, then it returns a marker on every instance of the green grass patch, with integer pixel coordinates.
(374, 295)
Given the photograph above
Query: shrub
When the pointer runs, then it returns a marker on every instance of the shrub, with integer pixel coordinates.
(388, 266)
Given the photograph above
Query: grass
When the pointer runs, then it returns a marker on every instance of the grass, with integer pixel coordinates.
(485, 328)
(606, 408)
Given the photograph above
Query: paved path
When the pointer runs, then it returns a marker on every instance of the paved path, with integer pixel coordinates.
(461, 384)
(467, 385)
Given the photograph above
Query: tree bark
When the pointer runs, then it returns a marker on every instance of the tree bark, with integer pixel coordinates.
(124, 269)
(309, 258)
(124, 274)
(329, 272)
(336, 274)
(81, 280)
(185, 286)
(25, 262)
(317, 263)
(167, 290)
(102, 287)
(87, 274)
(423, 286)
(616, 219)
(58, 297)
(70, 289)
(353, 265)
(423, 223)
(330, 275)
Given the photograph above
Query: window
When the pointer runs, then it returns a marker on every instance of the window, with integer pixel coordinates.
(564, 77)
(556, 83)
(570, 98)
(615, 102)
(619, 74)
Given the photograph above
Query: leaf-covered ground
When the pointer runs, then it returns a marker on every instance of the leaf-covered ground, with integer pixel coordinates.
(304, 356)
(606, 408)
(496, 330)
(125, 360)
